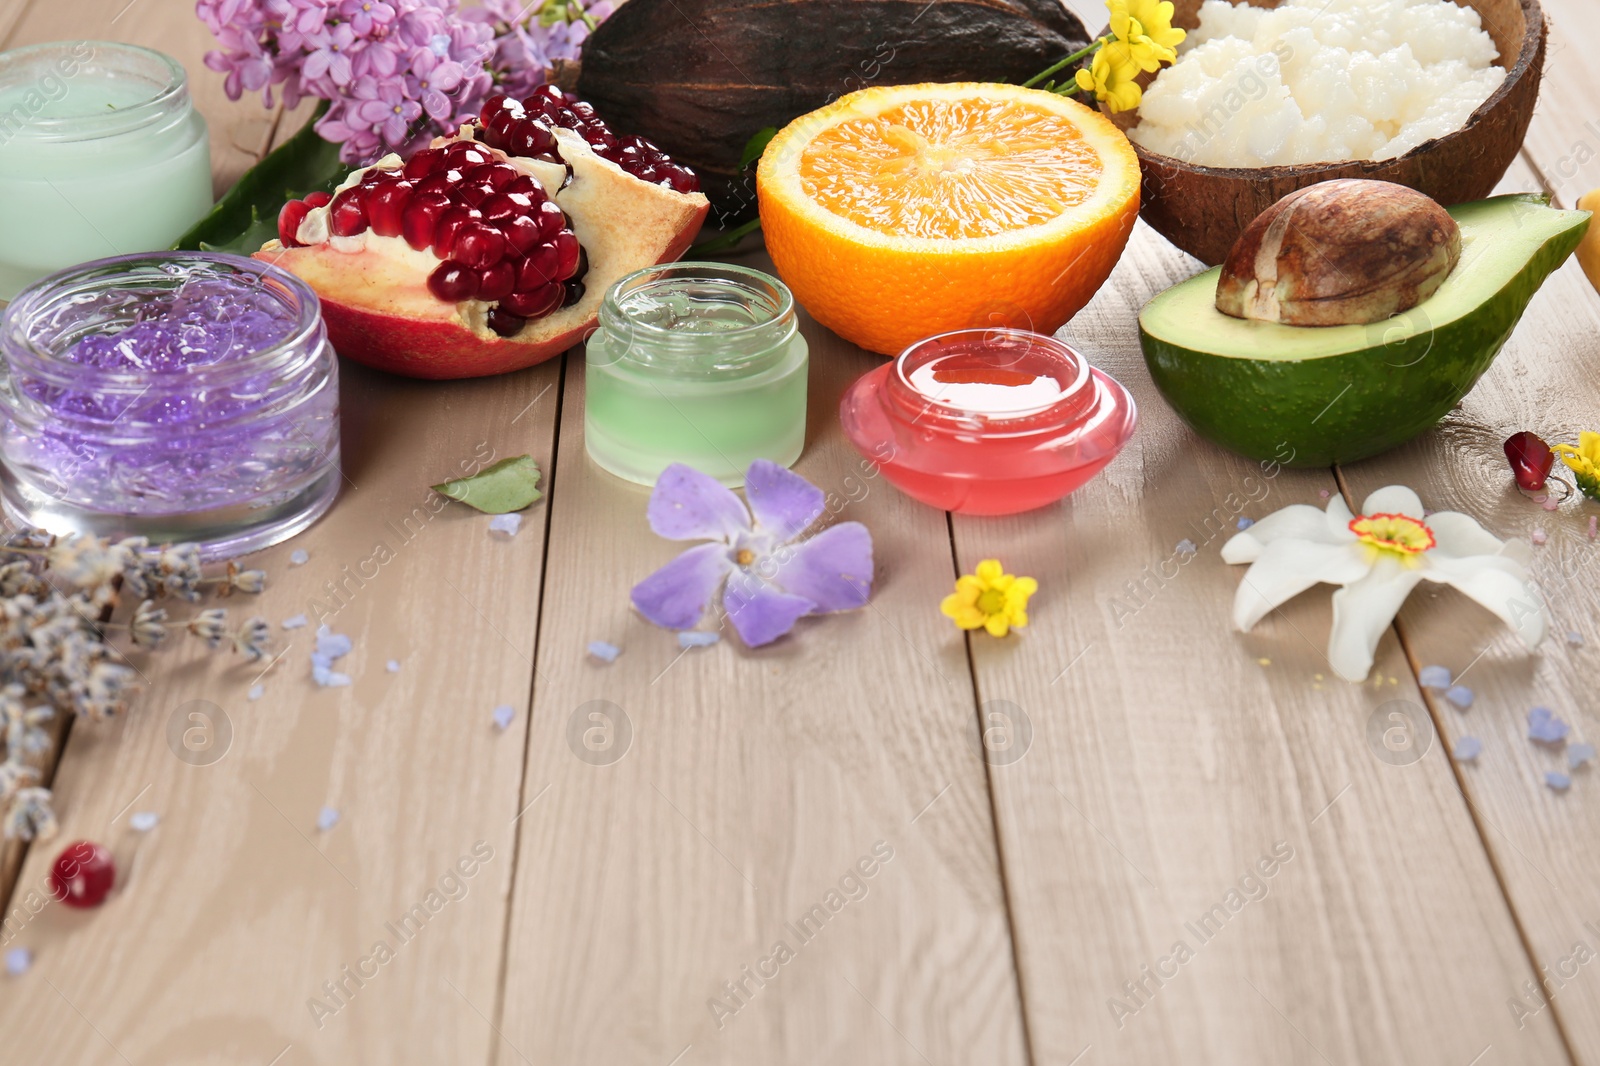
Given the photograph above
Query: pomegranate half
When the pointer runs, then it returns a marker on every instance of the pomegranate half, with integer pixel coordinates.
(489, 251)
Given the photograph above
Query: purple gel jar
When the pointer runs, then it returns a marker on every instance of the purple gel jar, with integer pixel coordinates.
(174, 395)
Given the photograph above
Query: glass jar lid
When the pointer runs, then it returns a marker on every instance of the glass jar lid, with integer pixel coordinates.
(68, 91)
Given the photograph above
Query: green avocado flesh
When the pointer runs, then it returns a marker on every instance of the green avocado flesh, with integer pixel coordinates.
(1316, 395)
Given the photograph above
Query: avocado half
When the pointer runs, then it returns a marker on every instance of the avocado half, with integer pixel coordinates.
(1316, 395)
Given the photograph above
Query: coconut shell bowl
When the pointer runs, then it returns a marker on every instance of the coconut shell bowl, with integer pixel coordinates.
(1203, 209)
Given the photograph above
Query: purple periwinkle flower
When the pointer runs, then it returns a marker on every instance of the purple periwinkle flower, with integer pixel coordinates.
(769, 577)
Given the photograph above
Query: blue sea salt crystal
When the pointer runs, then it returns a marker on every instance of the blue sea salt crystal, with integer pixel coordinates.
(330, 646)
(1460, 695)
(1545, 727)
(393, 666)
(298, 557)
(1468, 749)
(1186, 546)
(1578, 754)
(505, 525)
(297, 621)
(693, 638)
(255, 693)
(143, 821)
(18, 961)
(1245, 523)
(333, 645)
(604, 651)
(1558, 781)
(327, 818)
(504, 715)
(1434, 677)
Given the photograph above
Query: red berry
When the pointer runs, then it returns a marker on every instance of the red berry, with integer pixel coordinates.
(527, 187)
(294, 212)
(453, 283)
(539, 269)
(1531, 460)
(465, 154)
(319, 198)
(499, 207)
(567, 252)
(348, 216)
(474, 193)
(421, 216)
(552, 220)
(535, 303)
(522, 234)
(386, 207)
(497, 281)
(478, 245)
(83, 875)
(424, 163)
(451, 220)
(528, 138)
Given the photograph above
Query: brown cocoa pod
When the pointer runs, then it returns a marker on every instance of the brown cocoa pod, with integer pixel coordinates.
(1337, 253)
(700, 78)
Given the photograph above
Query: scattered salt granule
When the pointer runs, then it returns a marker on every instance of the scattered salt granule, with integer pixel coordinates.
(694, 638)
(1460, 695)
(1434, 677)
(1539, 536)
(1324, 493)
(1467, 749)
(393, 666)
(1594, 526)
(605, 651)
(330, 646)
(1558, 781)
(298, 557)
(1246, 523)
(1578, 754)
(504, 715)
(18, 961)
(1550, 503)
(1575, 639)
(327, 818)
(144, 821)
(1545, 727)
(1186, 546)
(505, 525)
(255, 693)
(298, 621)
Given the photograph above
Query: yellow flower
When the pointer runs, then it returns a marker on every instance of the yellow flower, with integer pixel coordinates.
(1584, 462)
(990, 599)
(1145, 27)
(1111, 77)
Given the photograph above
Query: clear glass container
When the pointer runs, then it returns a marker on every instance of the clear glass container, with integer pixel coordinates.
(179, 396)
(101, 153)
(696, 363)
(988, 421)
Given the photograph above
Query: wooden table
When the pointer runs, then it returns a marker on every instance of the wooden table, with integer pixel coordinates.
(646, 832)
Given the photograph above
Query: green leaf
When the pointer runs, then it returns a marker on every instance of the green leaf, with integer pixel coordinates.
(247, 216)
(509, 485)
(757, 145)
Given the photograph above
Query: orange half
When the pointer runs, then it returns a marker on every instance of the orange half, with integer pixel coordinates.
(902, 211)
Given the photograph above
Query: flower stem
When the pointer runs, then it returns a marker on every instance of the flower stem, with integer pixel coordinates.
(1073, 58)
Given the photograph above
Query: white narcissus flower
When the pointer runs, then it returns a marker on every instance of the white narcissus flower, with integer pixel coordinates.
(1379, 556)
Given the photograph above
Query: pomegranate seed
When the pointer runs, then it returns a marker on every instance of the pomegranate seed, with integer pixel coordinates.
(464, 154)
(574, 293)
(497, 281)
(374, 175)
(529, 138)
(1531, 460)
(475, 193)
(444, 181)
(386, 208)
(319, 198)
(522, 234)
(294, 212)
(539, 269)
(452, 283)
(500, 123)
(567, 251)
(504, 323)
(426, 162)
(552, 220)
(500, 207)
(82, 875)
(535, 303)
(421, 215)
(451, 220)
(683, 180)
(348, 216)
(478, 245)
(527, 187)
(650, 172)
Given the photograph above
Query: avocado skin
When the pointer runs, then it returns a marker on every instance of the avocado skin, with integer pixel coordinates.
(1343, 408)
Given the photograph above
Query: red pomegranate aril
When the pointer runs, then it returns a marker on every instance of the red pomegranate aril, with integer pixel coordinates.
(295, 211)
(348, 216)
(504, 323)
(501, 176)
(319, 198)
(450, 221)
(386, 207)
(535, 303)
(478, 245)
(497, 281)
(527, 187)
(538, 269)
(421, 215)
(567, 251)
(463, 154)
(500, 206)
(522, 234)
(452, 283)
(1531, 459)
(475, 193)
(427, 162)
(552, 220)
(83, 875)
(374, 175)
(528, 138)
(573, 292)
(683, 180)
(500, 123)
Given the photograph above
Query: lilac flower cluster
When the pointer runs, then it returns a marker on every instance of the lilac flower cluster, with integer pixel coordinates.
(395, 73)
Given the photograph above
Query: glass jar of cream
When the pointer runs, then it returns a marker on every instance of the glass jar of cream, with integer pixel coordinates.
(988, 421)
(101, 153)
(696, 363)
(173, 395)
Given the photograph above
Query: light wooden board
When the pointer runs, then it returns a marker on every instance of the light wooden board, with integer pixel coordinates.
(1564, 140)
(753, 783)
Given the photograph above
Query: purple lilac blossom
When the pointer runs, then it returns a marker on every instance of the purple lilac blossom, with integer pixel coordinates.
(768, 576)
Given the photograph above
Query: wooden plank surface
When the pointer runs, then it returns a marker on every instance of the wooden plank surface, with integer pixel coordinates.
(753, 784)
(1564, 140)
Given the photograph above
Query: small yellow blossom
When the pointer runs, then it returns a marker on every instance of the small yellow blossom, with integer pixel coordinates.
(1584, 462)
(1111, 77)
(990, 599)
(1145, 26)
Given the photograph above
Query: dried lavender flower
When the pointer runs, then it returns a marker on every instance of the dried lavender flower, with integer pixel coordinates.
(148, 628)
(253, 637)
(210, 625)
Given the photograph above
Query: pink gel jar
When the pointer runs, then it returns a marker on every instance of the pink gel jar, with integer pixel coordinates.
(988, 421)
